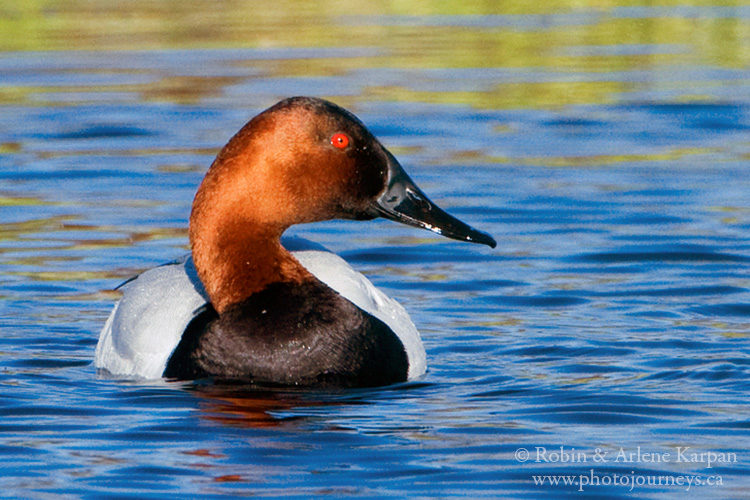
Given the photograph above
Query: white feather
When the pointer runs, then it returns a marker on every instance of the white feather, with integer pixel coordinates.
(147, 323)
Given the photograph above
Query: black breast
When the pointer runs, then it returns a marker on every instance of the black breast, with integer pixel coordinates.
(291, 334)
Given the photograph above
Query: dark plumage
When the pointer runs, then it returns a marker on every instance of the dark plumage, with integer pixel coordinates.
(293, 334)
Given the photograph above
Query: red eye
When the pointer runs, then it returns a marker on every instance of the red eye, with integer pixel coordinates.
(340, 140)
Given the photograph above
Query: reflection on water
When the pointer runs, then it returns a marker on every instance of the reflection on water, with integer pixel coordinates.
(248, 406)
(604, 147)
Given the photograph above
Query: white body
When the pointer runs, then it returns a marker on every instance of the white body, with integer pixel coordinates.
(147, 323)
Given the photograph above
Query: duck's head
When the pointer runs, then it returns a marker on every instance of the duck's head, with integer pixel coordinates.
(306, 160)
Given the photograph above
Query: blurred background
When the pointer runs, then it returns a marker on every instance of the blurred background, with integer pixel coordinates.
(491, 54)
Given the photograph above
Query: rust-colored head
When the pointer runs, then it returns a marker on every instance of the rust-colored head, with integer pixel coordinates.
(302, 160)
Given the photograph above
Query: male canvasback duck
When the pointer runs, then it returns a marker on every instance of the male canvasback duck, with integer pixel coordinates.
(244, 305)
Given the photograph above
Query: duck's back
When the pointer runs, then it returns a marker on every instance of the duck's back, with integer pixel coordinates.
(147, 324)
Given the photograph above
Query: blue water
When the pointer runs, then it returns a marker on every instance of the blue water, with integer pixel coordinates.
(613, 317)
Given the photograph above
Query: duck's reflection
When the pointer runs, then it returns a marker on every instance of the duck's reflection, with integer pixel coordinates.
(249, 405)
(244, 405)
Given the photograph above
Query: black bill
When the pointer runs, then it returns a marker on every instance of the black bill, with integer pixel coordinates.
(404, 202)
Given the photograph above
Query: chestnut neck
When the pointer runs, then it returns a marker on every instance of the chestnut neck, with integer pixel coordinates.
(238, 260)
(236, 249)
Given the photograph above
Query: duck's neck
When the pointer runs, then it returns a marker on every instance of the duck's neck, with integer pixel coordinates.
(238, 215)
(236, 259)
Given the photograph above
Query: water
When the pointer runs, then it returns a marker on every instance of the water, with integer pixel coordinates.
(606, 150)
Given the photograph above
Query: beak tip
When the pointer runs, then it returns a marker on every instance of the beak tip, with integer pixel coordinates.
(402, 201)
(483, 238)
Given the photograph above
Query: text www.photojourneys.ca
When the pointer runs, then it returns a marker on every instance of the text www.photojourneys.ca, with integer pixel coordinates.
(630, 481)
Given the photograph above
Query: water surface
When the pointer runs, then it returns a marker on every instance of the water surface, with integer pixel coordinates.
(605, 148)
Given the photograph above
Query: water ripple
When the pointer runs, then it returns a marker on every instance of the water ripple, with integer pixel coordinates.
(662, 255)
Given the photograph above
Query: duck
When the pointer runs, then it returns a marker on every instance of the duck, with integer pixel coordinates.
(251, 304)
